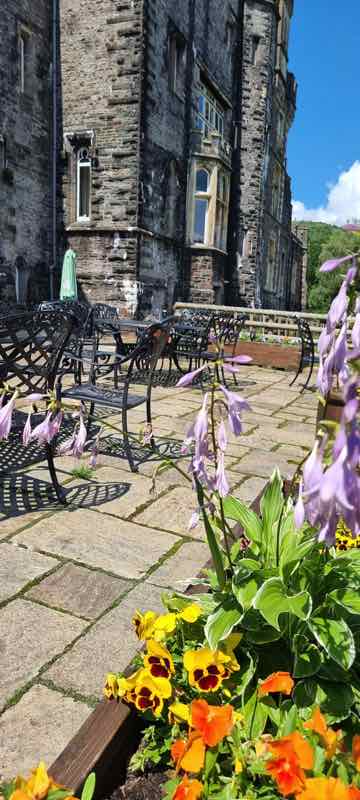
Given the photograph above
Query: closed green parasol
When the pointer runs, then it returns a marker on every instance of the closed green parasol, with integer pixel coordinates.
(68, 290)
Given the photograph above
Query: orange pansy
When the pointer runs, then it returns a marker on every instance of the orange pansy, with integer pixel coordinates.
(188, 790)
(277, 682)
(354, 793)
(318, 725)
(213, 722)
(189, 755)
(294, 746)
(324, 789)
(356, 751)
(287, 774)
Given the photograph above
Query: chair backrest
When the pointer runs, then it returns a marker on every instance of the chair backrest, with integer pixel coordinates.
(104, 312)
(81, 312)
(307, 341)
(31, 347)
(227, 328)
(149, 349)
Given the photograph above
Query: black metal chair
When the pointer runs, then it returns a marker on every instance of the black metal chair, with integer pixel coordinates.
(191, 338)
(137, 368)
(226, 329)
(32, 345)
(307, 355)
(79, 347)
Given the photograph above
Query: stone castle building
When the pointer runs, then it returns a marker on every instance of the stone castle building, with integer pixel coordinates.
(150, 135)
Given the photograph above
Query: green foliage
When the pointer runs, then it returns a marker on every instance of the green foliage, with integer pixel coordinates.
(83, 472)
(89, 787)
(325, 242)
(154, 750)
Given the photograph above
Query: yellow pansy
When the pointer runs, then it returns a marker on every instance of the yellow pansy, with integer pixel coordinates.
(238, 766)
(111, 687)
(144, 624)
(179, 712)
(191, 613)
(228, 646)
(163, 626)
(39, 783)
(158, 660)
(207, 668)
(145, 692)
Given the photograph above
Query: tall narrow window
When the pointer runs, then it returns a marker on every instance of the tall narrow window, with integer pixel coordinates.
(254, 54)
(222, 211)
(23, 59)
(201, 211)
(83, 185)
(176, 64)
(210, 114)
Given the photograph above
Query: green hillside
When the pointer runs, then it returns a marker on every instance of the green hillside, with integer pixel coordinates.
(326, 241)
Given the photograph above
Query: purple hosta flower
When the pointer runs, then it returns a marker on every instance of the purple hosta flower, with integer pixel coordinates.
(187, 379)
(56, 423)
(44, 432)
(148, 434)
(35, 397)
(239, 359)
(94, 455)
(27, 431)
(338, 308)
(66, 448)
(326, 340)
(328, 266)
(355, 333)
(6, 413)
(222, 436)
(80, 439)
(236, 405)
(194, 520)
(221, 483)
(299, 511)
(325, 374)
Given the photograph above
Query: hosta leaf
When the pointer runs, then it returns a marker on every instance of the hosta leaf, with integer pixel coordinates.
(271, 600)
(305, 693)
(346, 598)
(308, 658)
(272, 503)
(220, 624)
(245, 592)
(89, 787)
(255, 716)
(335, 700)
(238, 511)
(335, 636)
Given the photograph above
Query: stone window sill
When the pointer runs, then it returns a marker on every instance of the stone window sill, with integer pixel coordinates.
(198, 246)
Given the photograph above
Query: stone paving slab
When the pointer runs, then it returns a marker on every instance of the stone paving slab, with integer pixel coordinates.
(101, 541)
(19, 566)
(115, 548)
(109, 646)
(30, 636)
(82, 592)
(48, 720)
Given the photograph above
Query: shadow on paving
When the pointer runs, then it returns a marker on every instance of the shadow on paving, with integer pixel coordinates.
(22, 494)
(165, 448)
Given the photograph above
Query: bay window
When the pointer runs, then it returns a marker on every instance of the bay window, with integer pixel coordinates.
(209, 205)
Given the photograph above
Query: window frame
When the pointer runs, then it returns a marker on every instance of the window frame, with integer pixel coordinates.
(213, 237)
(79, 167)
(24, 41)
(176, 53)
(215, 110)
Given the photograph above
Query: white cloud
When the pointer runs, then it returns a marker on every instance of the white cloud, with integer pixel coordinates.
(343, 201)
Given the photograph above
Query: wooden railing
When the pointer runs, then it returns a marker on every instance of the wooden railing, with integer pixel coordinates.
(265, 321)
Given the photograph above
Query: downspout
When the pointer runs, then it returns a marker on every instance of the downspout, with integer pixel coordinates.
(54, 148)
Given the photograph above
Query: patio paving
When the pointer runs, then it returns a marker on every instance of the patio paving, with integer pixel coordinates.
(70, 579)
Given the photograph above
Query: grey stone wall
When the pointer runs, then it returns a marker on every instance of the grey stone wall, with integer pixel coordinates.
(101, 50)
(25, 151)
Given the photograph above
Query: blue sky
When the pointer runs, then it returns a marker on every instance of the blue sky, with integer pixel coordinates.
(324, 143)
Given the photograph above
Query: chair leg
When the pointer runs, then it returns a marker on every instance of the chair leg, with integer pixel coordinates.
(309, 376)
(59, 491)
(297, 374)
(127, 445)
(149, 422)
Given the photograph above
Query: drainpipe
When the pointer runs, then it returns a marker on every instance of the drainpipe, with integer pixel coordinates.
(54, 148)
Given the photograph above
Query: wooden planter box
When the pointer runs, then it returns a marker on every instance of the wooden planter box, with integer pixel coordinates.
(274, 356)
(332, 410)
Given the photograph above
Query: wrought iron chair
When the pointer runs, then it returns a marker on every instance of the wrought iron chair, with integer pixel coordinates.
(79, 347)
(191, 338)
(226, 329)
(136, 368)
(307, 355)
(32, 345)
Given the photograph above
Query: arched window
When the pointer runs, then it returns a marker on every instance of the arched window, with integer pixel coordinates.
(83, 185)
(201, 211)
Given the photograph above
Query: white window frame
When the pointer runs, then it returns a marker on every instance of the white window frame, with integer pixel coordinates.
(210, 118)
(206, 197)
(79, 166)
(222, 210)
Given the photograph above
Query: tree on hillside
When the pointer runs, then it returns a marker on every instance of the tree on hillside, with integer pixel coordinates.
(323, 289)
